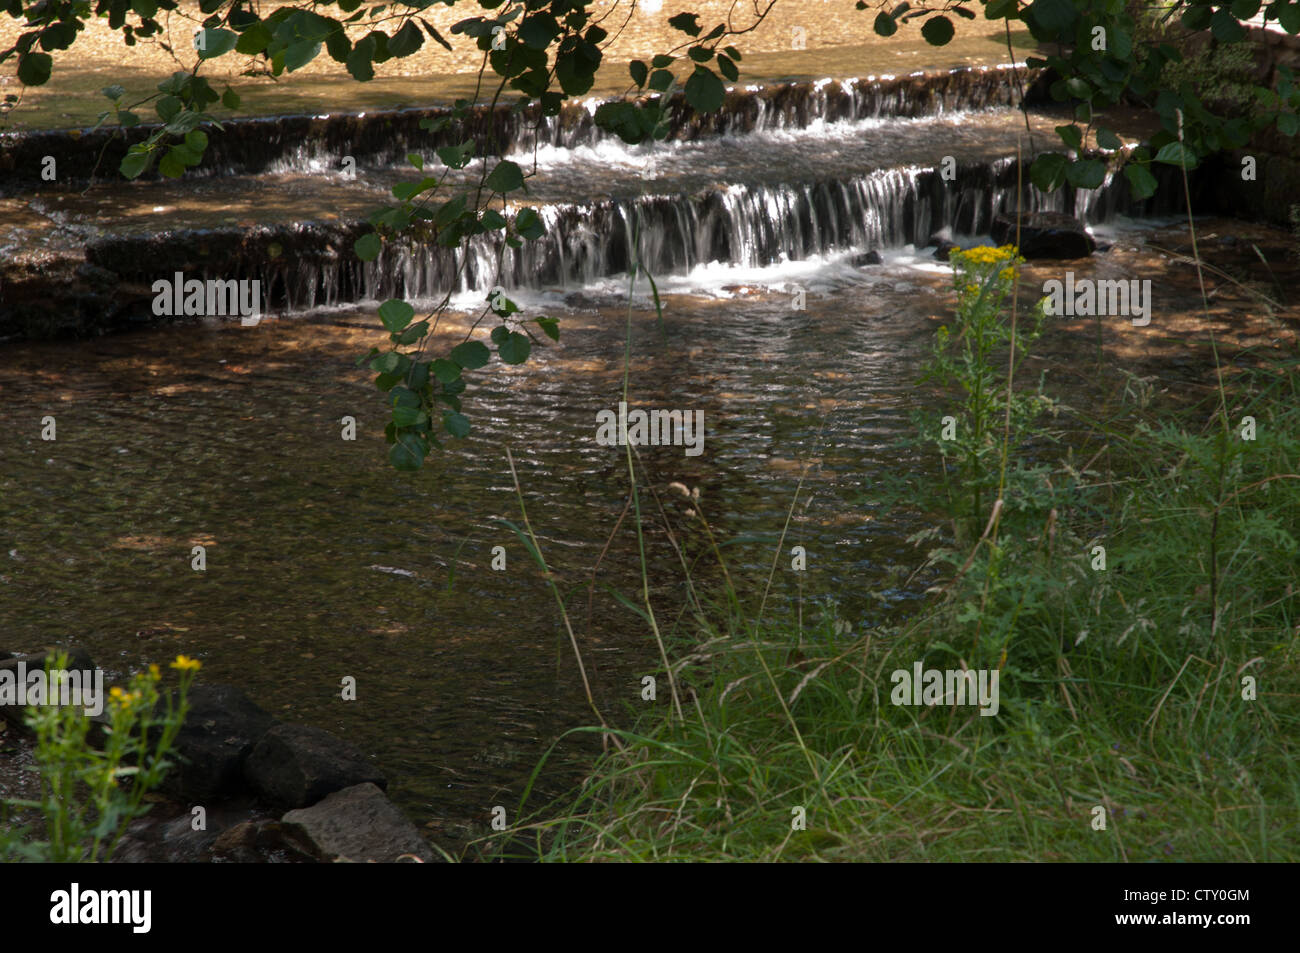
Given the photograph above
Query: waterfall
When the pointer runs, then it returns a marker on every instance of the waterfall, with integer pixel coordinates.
(738, 224)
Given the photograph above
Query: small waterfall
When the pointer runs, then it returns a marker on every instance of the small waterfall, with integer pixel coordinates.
(744, 225)
(304, 143)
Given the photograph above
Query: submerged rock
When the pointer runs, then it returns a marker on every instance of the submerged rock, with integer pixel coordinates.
(360, 824)
(1053, 235)
(295, 766)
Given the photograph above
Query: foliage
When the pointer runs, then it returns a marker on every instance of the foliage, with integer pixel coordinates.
(963, 358)
(91, 792)
(1102, 54)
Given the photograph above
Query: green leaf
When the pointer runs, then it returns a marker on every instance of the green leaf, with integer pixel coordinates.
(361, 59)
(214, 43)
(1141, 181)
(516, 348)
(728, 68)
(639, 72)
(500, 335)
(885, 25)
(171, 165)
(471, 354)
(538, 30)
(133, 164)
(1072, 136)
(114, 92)
(367, 247)
(396, 314)
(704, 91)
(230, 99)
(1078, 88)
(456, 157)
(688, 23)
(446, 371)
(1048, 171)
(1225, 27)
(407, 40)
(505, 177)
(551, 326)
(1197, 17)
(997, 9)
(1086, 174)
(937, 31)
(197, 140)
(253, 40)
(1176, 153)
(1055, 17)
(1287, 123)
(529, 224)
(34, 68)
(1107, 139)
(661, 61)
(408, 452)
(409, 416)
(457, 425)
(660, 80)
(412, 334)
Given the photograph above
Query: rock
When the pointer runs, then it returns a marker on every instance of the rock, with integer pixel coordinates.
(869, 258)
(219, 733)
(360, 824)
(944, 248)
(1045, 235)
(264, 841)
(295, 766)
(943, 243)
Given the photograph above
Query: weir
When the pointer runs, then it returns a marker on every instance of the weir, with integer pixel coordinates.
(782, 173)
(312, 143)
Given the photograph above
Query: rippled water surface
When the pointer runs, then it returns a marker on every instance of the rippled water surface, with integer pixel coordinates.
(230, 438)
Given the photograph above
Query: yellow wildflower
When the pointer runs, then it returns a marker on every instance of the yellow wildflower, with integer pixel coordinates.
(154, 673)
(186, 664)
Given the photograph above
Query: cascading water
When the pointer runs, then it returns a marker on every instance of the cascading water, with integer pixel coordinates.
(781, 174)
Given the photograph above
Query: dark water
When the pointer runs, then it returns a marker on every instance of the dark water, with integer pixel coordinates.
(230, 438)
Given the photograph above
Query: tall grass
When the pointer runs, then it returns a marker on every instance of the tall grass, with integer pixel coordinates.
(1122, 690)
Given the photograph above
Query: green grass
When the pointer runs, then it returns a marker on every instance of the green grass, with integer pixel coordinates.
(1144, 717)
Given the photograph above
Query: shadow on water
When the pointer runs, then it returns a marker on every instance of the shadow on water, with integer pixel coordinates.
(230, 439)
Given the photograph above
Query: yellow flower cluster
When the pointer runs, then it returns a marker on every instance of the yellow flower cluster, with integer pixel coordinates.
(124, 699)
(987, 254)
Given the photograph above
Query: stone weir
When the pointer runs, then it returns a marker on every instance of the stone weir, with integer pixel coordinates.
(106, 282)
(311, 143)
